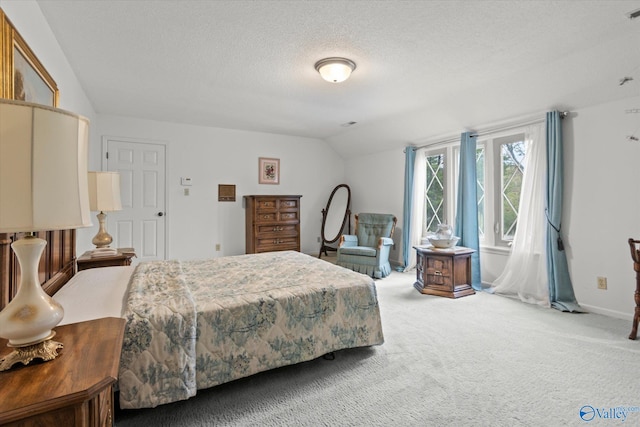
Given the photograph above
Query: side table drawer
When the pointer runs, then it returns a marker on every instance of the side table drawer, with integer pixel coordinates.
(438, 271)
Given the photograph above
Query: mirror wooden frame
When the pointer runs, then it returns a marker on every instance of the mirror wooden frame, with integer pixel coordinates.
(346, 219)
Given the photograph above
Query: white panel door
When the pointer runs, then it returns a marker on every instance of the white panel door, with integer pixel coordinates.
(141, 223)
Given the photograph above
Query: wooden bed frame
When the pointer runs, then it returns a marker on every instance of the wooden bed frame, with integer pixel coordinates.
(57, 264)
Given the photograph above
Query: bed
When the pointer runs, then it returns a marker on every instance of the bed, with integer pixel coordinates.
(196, 324)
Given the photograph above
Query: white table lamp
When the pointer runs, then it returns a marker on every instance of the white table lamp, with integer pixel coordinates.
(43, 186)
(104, 196)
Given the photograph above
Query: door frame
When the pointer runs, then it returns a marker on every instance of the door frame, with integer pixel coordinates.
(103, 167)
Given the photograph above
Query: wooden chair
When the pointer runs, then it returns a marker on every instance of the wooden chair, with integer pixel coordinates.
(635, 255)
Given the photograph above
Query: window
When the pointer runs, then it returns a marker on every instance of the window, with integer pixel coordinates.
(435, 195)
(499, 168)
(480, 188)
(512, 152)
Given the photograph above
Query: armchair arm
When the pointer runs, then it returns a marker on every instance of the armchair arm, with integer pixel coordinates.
(348, 240)
(385, 241)
(384, 249)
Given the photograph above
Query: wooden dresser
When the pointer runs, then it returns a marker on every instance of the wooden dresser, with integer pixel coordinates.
(444, 272)
(75, 389)
(272, 223)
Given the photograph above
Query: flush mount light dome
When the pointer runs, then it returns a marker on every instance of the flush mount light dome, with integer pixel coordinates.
(335, 70)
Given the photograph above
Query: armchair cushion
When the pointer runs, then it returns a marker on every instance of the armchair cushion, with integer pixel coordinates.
(359, 250)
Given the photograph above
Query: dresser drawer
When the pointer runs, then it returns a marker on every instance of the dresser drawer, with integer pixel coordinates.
(276, 230)
(288, 204)
(289, 216)
(262, 217)
(266, 205)
(277, 244)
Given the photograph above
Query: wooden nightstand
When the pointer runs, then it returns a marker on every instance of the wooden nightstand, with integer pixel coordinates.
(122, 258)
(76, 388)
(444, 272)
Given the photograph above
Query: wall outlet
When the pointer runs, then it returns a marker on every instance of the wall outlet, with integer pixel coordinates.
(602, 282)
(319, 239)
(217, 247)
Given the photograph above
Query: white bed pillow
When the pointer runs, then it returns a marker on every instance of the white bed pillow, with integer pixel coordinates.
(94, 293)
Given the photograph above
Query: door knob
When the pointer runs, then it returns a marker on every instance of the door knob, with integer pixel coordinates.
(160, 213)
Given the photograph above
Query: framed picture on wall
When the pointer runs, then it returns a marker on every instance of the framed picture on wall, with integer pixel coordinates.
(23, 76)
(269, 171)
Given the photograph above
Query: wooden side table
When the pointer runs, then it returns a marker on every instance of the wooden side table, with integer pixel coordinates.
(74, 389)
(444, 272)
(122, 258)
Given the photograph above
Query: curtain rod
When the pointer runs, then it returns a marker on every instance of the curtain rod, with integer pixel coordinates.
(563, 114)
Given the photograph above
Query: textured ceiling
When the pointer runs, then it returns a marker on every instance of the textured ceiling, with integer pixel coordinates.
(424, 68)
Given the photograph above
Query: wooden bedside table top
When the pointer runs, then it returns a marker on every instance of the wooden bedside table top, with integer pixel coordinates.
(87, 364)
(456, 250)
(122, 254)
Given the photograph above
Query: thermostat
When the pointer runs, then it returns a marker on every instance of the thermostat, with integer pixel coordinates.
(185, 181)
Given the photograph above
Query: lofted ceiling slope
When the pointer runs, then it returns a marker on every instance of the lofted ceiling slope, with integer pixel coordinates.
(424, 68)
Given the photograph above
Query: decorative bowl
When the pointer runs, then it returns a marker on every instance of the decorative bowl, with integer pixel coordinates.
(444, 243)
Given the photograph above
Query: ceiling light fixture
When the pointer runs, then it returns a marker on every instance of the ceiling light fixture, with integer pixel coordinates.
(335, 70)
(634, 14)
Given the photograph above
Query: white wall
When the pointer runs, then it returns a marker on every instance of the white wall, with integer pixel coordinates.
(602, 202)
(211, 156)
(377, 185)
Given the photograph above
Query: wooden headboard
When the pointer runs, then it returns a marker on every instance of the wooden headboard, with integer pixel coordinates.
(57, 264)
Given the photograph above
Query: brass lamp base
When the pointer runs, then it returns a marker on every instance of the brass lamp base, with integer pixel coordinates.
(102, 239)
(45, 350)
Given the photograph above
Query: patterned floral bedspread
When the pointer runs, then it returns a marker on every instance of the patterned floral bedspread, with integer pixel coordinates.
(197, 324)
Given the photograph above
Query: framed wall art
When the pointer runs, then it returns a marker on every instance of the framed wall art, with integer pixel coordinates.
(269, 171)
(23, 76)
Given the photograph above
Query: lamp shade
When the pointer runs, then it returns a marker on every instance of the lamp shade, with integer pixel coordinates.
(335, 70)
(43, 168)
(104, 191)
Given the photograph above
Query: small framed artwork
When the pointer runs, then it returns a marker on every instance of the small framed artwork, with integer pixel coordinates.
(269, 171)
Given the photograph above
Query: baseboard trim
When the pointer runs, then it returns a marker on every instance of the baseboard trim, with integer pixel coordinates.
(607, 312)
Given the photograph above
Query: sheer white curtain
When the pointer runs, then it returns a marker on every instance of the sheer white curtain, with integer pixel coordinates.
(525, 274)
(417, 205)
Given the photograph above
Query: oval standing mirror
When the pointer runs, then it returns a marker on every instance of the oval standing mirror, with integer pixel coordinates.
(335, 216)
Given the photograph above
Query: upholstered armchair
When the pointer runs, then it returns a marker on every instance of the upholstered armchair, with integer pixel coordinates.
(368, 250)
